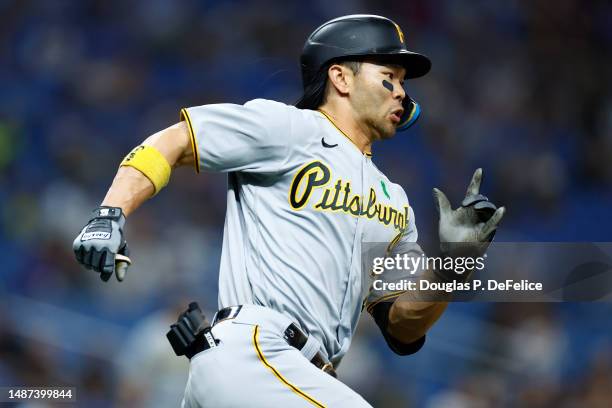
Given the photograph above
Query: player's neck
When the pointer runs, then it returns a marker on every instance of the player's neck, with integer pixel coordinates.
(343, 117)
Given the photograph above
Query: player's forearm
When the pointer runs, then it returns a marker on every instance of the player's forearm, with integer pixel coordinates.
(410, 320)
(415, 311)
(131, 187)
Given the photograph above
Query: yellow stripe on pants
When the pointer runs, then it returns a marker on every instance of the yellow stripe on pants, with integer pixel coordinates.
(280, 377)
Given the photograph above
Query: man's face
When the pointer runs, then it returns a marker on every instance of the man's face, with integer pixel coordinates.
(378, 105)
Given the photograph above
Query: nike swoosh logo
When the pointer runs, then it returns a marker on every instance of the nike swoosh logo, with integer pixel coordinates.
(329, 146)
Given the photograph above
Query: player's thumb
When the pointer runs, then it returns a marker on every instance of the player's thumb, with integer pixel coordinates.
(122, 262)
(442, 203)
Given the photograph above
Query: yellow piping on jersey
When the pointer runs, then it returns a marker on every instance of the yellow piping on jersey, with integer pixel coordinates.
(398, 237)
(278, 375)
(369, 154)
(194, 147)
(370, 306)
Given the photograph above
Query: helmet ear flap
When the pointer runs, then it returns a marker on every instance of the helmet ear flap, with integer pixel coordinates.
(412, 111)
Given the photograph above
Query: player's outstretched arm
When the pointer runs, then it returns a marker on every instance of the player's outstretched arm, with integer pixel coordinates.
(131, 187)
(101, 244)
(465, 231)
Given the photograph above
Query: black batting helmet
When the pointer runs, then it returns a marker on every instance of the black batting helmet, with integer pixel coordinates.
(356, 37)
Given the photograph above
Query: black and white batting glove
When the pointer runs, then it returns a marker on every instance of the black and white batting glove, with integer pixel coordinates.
(469, 229)
(101, 245)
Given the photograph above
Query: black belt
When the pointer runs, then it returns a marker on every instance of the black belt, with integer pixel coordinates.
(293, 335)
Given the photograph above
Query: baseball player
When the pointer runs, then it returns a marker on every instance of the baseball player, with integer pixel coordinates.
(303, 196)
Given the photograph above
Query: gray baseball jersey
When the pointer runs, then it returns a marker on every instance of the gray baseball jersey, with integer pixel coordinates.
(302, 198)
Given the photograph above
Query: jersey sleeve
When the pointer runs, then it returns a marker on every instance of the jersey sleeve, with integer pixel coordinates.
(379, 301)
(255, 137)
(405, 243)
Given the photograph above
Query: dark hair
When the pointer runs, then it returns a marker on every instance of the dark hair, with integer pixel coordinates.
(314, 92)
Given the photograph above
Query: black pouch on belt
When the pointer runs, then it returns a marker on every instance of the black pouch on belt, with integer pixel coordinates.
(296, 338)
(191, 333)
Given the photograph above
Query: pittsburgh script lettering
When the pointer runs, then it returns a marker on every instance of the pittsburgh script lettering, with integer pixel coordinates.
(339, 197)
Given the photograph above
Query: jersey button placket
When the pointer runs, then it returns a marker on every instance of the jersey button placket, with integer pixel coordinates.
(354, 280)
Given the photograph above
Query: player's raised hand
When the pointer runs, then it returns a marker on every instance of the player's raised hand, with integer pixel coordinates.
(101, 245)
(482, 208)
(474, 223)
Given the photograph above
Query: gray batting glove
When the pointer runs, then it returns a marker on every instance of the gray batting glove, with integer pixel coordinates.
(101, 245)
(468, 230)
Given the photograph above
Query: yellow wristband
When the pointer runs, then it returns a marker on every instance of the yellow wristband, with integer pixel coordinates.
(150, 162)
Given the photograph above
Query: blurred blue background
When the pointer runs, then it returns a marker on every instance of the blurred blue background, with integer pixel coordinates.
(520, 88)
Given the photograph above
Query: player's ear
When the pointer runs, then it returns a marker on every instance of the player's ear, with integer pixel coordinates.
(341, 78)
